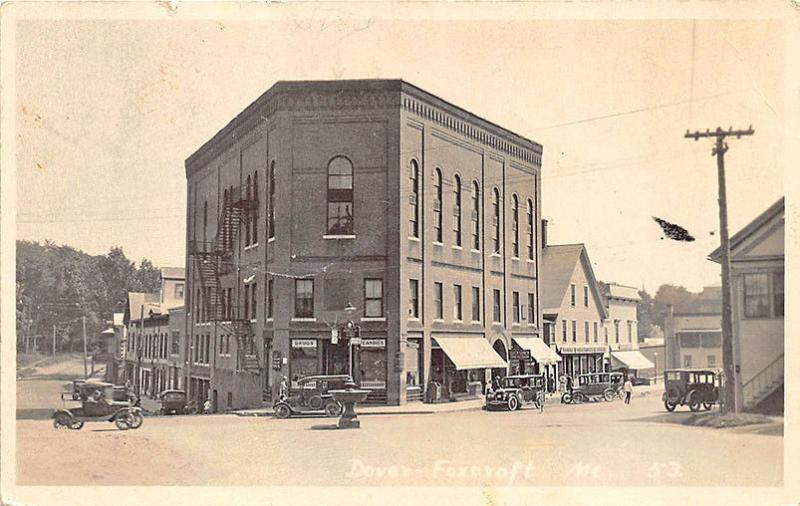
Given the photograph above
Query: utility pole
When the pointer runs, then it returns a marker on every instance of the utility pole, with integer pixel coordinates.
(85, 352)
(731, 402)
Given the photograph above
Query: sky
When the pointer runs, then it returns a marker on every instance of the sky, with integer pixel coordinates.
(108, 111)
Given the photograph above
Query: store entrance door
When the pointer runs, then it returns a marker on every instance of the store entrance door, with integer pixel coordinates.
(335, 358)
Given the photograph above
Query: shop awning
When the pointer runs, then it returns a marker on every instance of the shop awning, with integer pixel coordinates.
(630, 359)
(539, 350)
(468, 352)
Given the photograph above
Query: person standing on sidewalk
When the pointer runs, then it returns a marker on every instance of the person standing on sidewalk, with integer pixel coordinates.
(628, 389)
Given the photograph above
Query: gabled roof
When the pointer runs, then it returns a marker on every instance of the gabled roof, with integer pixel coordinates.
(139, 300)
(774, 210)
(173, 273)
(558, 264)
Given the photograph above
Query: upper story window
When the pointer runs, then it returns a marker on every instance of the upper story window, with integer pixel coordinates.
(205, 223)
(586, 331)
(476, 304)
(594, 331)
(496, 219)
(271, 209)
(572, 295)
(254, 218)
(437, 300)
(373, 298)
(247, 218)
(515, 309)
(586, 296)
(413, 200)
(616, 331)
(496, 305)
(457, 209)
(515, 225)
(564, 330)
(179, 290)
(476, 216)
(458, 312)
(270, 286)
(574, 331)
(413, 298)
(531, 251)
(763, 295)
(340, 196)
(531, 309)
(437, 204)
(304, 298)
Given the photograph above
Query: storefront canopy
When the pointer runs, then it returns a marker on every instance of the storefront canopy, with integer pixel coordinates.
(470, 352)
(630, 359)
(539, 350)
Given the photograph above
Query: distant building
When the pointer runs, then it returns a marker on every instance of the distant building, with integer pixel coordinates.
(154, 358)
(111, 350)
(621, 328)
(694, 338)
(573, 309)
(757, 262)
(654, 351)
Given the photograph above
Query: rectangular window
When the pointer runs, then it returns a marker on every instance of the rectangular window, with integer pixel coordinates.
(457, 307)
(437, 300)
(586, 296)
(586, 331)
(594, 331)
(531, 309)
(253, 301)
(179, 290)
(373, 298)
(711, 360)
(572, 295)
(413, 298)
(687, 361)
(630, 327)
(246, 307)
(413, 200)
(616, 331)
(777, 293)
(208, 349)
(304, 298)
(515, 307)
(270, 288)
(476, 304)
(564, 330)
(605, 334)
(496, 305)
(271, 209)
(574, 331)
(756, 295)
(340, 218)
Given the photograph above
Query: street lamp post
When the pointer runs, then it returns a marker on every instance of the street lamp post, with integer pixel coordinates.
(350, 309)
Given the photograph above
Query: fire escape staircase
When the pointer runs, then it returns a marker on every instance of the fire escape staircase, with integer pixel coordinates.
(760, 386)
(214, 260)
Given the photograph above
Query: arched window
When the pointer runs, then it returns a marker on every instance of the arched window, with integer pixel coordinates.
(340, 196)
(476, 214)
(437, 204)
(248, 196)
(271, 203)
(254, 218)
(531, 252)
(457, 209)
(496, 220)
(515, 224)
(413, 200)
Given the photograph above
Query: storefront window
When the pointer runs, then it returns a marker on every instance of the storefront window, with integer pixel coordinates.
(303, 359)
(412, 364)
(373, 363)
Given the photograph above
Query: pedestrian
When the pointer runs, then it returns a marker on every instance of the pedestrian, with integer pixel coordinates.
(283, 393)
(569, 384)
(496, 383)
(628, 389)
(207, 407)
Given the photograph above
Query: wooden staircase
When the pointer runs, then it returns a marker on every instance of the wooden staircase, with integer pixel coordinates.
(763, 384)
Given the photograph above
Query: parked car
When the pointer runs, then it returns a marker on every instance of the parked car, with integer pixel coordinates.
(640, 381)
(173, 401)
(591, 386)
(693, 387)
(311, 395)
(517, 391)
(97, 405)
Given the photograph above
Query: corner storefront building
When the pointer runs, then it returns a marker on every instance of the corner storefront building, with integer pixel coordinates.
(371, 202)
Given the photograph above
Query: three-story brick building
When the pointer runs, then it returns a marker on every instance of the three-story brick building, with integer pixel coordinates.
(372, 195)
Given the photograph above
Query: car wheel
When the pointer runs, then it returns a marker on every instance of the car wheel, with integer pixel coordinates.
(333, 409)
(566, 398)
(708, 405)
(61, 421)
(282, 411)
(609, 395)
(694, 403)
(513, 403)
(669, 406)
(579, 398)
(76, 425)
(138, 419)
(123, 422)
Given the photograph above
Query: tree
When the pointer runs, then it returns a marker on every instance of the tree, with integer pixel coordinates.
(645, 310)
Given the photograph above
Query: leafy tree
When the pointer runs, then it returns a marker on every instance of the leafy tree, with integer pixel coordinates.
(645, 310)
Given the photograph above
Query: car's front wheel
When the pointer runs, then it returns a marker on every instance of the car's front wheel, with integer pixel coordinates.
(708, 405)
(694, 403)
(669, 406)
(513, 403)
(282, 411)
(609, 394)
(137, 419)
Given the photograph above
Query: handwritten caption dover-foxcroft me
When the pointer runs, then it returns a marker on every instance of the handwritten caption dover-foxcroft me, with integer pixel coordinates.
(515, 473)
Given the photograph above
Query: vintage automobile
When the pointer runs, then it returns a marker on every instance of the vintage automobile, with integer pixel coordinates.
(517, 391)
(617, 382)
(591, 386)
(97, 405)
(310, 395)
(695, 387)
(173, 401)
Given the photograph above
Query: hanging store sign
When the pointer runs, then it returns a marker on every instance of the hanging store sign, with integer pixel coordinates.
(304, 343)
(373, 343)
(516, 354)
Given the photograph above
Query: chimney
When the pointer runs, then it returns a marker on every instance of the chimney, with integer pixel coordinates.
(544, 233)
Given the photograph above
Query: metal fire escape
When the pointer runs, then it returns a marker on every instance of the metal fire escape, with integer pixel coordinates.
(216, 259)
